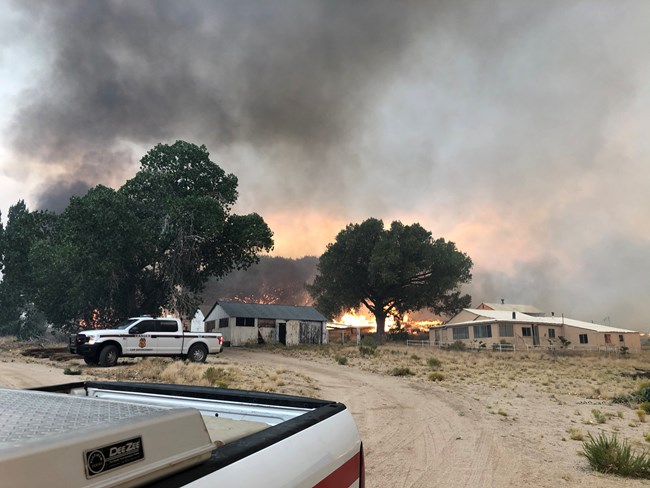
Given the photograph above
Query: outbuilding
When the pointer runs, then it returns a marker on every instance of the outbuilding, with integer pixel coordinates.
(252, 323)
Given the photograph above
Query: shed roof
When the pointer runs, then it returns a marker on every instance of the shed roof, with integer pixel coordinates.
(267, 311)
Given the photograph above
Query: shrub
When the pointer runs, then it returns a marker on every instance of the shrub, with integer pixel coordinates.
(70, 371)
(600, 417)
(218, 376)
(415, 357)
(435, 376)
(641, 414)
(457, 346)
(645, 406)
(368, 346)
(402, 372)
(341, 360)
(608, 455)
(434, 363)
(576, 434)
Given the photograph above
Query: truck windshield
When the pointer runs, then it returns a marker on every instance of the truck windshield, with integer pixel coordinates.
(125, 324)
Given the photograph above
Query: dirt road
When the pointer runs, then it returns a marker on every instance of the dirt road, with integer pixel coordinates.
(414, 435)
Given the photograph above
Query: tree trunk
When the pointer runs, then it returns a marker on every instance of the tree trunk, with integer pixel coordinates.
(381, 323)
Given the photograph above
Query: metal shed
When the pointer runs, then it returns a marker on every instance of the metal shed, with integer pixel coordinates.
(246, 323)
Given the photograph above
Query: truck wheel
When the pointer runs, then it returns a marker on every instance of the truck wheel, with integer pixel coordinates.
(108, 356)
(90, 361)
(197, 353)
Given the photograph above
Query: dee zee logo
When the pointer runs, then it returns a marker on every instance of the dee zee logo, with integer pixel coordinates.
(102, 459)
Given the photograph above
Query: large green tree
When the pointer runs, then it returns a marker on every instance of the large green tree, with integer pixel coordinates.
(390, 271)
(18, 314)
(90, 263)
(150, 245)
(183, 201)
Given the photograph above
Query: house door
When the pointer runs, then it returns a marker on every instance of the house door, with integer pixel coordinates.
(535, 335)
(282, 333)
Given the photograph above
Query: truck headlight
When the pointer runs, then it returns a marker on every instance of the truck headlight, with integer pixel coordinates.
(91, 339)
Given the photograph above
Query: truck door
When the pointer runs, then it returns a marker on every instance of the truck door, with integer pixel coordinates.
(142, 338)
(169, 337)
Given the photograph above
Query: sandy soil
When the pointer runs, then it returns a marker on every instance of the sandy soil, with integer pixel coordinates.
(424, 434)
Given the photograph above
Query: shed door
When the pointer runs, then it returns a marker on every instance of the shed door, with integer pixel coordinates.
(282, 333)
(535, 335)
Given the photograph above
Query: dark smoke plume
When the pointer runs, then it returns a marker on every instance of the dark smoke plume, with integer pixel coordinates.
(516, 129)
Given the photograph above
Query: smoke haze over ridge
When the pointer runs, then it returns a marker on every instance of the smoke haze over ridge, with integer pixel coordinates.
(515, 129)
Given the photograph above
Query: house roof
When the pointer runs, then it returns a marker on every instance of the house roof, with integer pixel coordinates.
(487, 316)
(266, 311)
(512, 307)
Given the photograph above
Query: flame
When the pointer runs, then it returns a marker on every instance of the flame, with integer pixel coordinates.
(94, 322)
(357, 318)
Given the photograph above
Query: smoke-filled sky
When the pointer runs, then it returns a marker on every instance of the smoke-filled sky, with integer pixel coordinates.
(517, 129)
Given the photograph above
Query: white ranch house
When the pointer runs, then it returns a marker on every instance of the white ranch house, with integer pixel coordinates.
(513, 329)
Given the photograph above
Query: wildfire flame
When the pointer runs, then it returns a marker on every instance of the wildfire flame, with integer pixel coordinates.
(93, 323)
(357, 318)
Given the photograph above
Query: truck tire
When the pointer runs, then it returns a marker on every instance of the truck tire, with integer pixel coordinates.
(108, 356)
(197, 353)
(90, 360)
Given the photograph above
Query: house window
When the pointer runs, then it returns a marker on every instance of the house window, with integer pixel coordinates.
(506, 330)
(460, 333)
(621, 338)
(526, 331)
(266, 323)
(223, 323)
(209, 325)
(482, 331)
(551, 333)
(245, 322)
(584, 339)
(608, 338)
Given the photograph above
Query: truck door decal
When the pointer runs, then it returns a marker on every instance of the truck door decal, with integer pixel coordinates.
(143, 343)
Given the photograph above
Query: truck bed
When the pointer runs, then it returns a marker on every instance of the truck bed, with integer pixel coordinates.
(132, 434)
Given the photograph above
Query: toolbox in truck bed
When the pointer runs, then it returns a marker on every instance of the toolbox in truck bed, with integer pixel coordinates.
(48, 439)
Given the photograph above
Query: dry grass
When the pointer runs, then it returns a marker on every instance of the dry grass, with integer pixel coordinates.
(589, 376)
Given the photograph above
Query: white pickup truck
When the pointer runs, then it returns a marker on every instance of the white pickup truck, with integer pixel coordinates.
(108, 434)
(144, 336)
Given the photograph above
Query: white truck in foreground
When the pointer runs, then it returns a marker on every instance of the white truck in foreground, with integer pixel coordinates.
(144, 336)
(109, 434)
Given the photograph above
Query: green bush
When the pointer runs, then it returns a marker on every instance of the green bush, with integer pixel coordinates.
(608, 455)
(415, 357)
(435, 376)
(402, 372)
(341, 360)
(645, 406)
(457, 346)
(368, 346)
(434, 363)
(70, 371)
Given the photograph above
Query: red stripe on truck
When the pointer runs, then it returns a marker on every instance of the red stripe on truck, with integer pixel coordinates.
(344, 476)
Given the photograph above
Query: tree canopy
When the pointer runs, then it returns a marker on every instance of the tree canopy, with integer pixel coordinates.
(390, 271)
(150, 245)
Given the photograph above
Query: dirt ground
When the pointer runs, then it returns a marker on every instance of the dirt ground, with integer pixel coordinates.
(464, 431)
